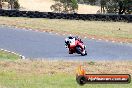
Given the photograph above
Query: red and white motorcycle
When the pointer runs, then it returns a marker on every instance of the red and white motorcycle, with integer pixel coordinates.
(75, 45)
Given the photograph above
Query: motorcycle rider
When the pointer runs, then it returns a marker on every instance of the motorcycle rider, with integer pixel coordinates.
(70, 40)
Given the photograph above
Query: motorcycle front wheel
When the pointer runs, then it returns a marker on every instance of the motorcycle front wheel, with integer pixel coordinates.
(79, 51)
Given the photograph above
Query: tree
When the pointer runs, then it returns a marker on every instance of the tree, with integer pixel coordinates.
(116, 6)
(111, 6)
(103, 5)
(81, 1)
(74, 5)
(0, 4)
(125, 6)
(12, 4)
(57, 7)
(129, 7)
(92, 2)
(65, 6)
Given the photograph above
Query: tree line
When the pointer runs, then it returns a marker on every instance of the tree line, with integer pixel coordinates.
(12, 4)
(116, 6)
(107, 6)
(71, 6)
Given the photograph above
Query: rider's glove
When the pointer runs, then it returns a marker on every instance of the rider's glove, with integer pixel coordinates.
(66, 46)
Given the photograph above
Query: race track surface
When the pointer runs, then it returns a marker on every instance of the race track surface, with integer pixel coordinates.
(40, 45)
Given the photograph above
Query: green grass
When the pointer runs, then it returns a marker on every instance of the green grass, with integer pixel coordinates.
(56, 74)
(79, 27)
(14, 80)
(8, 56)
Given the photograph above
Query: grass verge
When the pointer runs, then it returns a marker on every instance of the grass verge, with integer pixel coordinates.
(8, 56)
(57, 74)
(117, 31)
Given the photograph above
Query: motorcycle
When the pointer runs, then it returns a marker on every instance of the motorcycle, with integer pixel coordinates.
(75, 46)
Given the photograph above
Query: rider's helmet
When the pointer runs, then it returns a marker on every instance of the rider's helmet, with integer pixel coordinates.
(67, 40)
(70, 37)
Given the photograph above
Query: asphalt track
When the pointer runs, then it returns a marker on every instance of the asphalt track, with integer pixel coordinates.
(41, 45)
